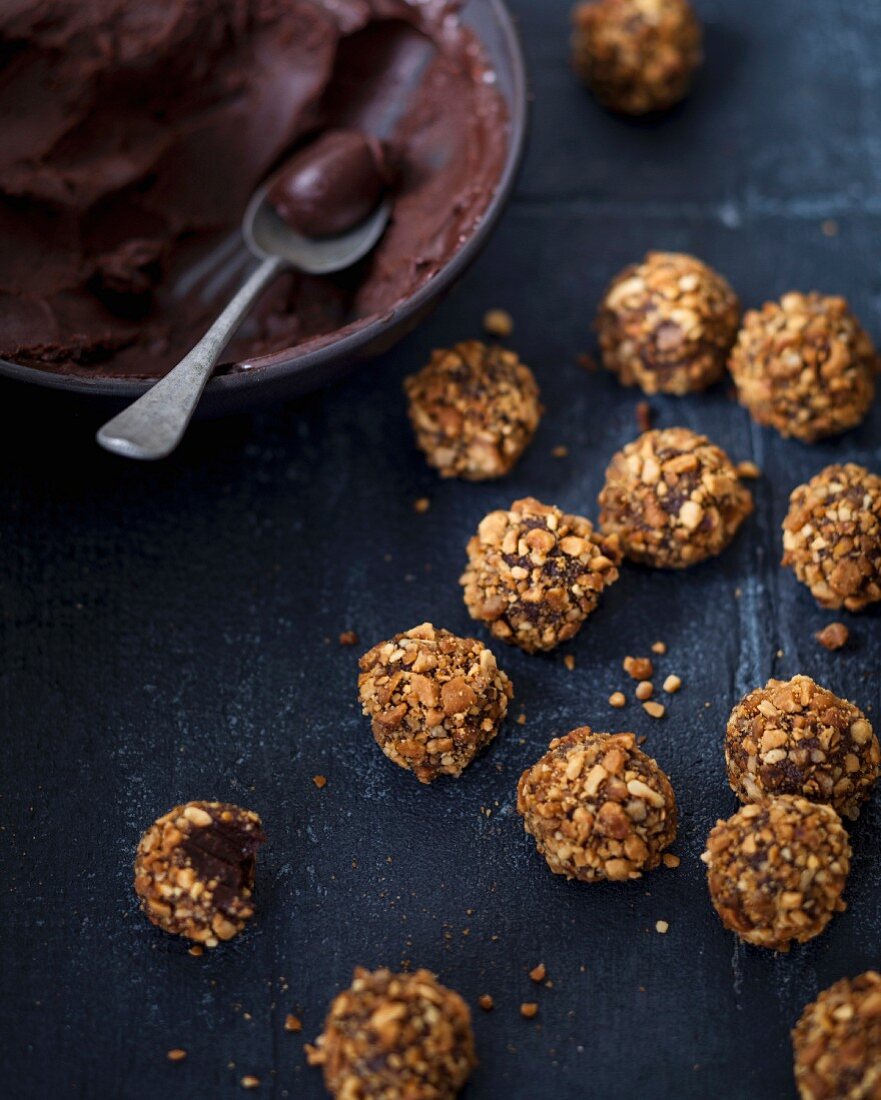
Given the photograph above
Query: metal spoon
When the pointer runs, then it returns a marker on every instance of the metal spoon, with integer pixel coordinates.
(154, 425)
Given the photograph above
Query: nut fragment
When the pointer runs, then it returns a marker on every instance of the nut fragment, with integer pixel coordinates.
(617, 699)
(498, 322)
(776, 870)
(434, 699)
(654, 710)
(529, 1010)
(538, 973)
(395, 1036)
(833, 636)
(194, 870)
(486, 1002)
(644, 690)
(640, 668)
(672, 684)
(598, 807)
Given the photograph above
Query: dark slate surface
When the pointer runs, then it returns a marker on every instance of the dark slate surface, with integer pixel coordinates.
(170, 633)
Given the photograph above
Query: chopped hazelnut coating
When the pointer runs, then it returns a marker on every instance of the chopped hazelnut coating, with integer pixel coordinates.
(434, 699)
(636, 56)
(795, 737)
(804, 366)
(474, 409)
(194, 870)
(673, 499)
(837, 1042)
(667, 324)
(832, 536)
(395, 1037)
(598, 807)
(776, 870)
(535, 574)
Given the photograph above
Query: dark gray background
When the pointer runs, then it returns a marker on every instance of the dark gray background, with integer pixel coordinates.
(170, 633)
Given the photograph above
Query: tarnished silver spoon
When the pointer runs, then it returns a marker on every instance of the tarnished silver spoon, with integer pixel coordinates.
(153, 425)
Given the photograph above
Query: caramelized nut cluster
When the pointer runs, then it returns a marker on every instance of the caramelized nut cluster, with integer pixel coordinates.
(474, 409)
(598, 807)
(673, 499)
(667, 324)
(535, 574)
(832, 536)
(837, 1042)
(776, 870)
(804, 366)
(194, 870)
(395, 1037)
(434, 699)
(795, 737)
(636, 55)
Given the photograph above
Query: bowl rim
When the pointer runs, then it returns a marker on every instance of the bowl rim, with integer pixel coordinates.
(348, 346)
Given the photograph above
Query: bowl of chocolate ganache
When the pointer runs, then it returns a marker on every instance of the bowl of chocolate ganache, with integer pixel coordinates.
(137, 133)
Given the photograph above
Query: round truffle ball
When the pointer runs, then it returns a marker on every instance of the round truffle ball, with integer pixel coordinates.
(636, 56)
(832, 536)
(434, 699)
(535, 574)
(776, 870)
(795, 737)
(474, 409)
(804, 366)
(195, 867)
(598, 807)
(667, 324)
(837, 1042)
(395, 1036)
(673, 499)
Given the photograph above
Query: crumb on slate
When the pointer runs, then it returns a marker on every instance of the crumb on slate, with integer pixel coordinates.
(538, 973)
(640, 668)
(498, 322)
(528, 1010)
(348, 637)
(319, 781)
(833, 636)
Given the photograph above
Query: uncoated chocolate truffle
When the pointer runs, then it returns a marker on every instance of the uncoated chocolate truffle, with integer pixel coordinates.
(667, 324)
(636, 55)
(598, 807)
(776, 870)
(535, 574)
(474, 409)
(832, 536)
(434, 700)
(673, 499)
(804, 366)
(837, 1042)
(194, 870)
(795, 737)
(395, 1037)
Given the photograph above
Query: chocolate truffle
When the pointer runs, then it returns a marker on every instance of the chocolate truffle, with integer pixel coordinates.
(474, 410)
(804, 366)
(395, 1036)
(535, 574)
(434, 700)
(673, 499)
(776, 870)
(832, 536)
(667, 324)
(636, 55)
(598, 807)
(194, 870)
(795, 737)
(837, 1042)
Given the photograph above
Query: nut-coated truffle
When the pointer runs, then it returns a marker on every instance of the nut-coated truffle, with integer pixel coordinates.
(474, 409)
(636, 56)
(434, 699)
(776, 870)
(832, 536)
(804, 366)
(195, 867)
(673, 499)
(395, 1037)
(598, 807)
(667, 324)
(795, 737)
(535, 574)
(837, 1042)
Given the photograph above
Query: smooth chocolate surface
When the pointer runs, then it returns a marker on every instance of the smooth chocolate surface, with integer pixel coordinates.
(135, 134)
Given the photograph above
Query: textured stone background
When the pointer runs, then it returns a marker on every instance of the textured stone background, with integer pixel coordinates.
(170, 633)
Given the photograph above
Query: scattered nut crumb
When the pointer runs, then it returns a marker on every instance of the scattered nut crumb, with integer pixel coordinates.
(617, 699)
(829, 228)
(560, 451)
(833, 636)
(656, 710)
(196, 950)
(569, 661)
(529, 1009)
(486, 1002)
(319, 781)
(587, 362)
(672, 684)
(498, 322)
(521, 719)
(640, 668)
(249, 1081)
(659, 647)
(644, 416)
(661, 926)
(176, 1055)
(292, 1023)
(645, 689)
(748, 470)
(348, 637)
(421, 505)
(670, 860)
(538, 973)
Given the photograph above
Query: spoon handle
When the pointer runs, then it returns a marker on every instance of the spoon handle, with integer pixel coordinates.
(153, 426)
